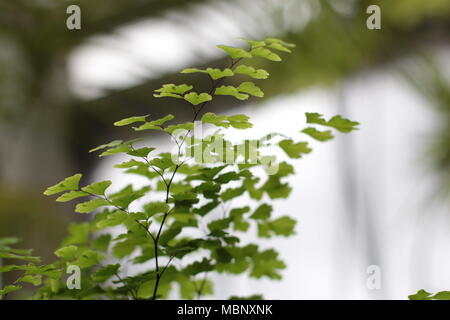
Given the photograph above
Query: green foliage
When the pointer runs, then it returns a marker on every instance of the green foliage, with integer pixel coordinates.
(265, 53)
(317, 134)
(235, 53)
(9, 289)
(196, 99)
(252, 72)
(199, 184)
(337, 122)
(423, 295)
(294, 150)
(213, 73)
(127, 121)
(70, 183)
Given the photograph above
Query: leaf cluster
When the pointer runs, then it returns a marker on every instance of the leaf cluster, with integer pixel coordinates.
(191, 206)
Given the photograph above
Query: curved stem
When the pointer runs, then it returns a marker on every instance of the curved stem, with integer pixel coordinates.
(214, 85)
(202, 285)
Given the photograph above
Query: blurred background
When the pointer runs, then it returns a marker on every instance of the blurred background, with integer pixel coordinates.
(379, 196)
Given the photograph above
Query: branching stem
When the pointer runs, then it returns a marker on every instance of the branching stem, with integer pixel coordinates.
(214, 85)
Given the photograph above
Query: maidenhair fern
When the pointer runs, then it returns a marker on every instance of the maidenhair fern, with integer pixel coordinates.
(199, 200)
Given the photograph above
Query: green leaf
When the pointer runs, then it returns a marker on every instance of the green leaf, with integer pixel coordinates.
(147, 126)
(88, 258)
(266, 54)
(294, 150)
(127, 121)
(9, 289)
(129, 164)
(222, 255)
(213, 73)
(219, 121)
(237, 215)
(68, 196)
(113, 219)
(102, 242)
(167, 95)
(9, 268)
(285, 169)
(231, 91)
(195, 98)
(205, 209)
(443, 295)
(262, 212)
(253, 191)
(238, 121)
(250, 88)
(187, 288)
(217, 73)
(169, 235)
(67, 253)
(111, 144)
(266, 263)
(97, 188)
(227, 177)
(342, 124)
(161, 121)
(281, 42)
(141, 152)
(182, 126)
(181, 249)
(279, 47)
(318, 135)
(420, 295)
(106, 272)
(275, 189)
(171, 90)
(153, 208)
(35, 280)
(120, 149)
(264, 230)
(199, 266)
(25, 257)
(254, 43)
(185, 196)
(127, 195)
(283, 226)
(235, 53)
(155, 124)
(5, 242)
(68, 184)
(124, 248)
(232, 193)
(89, 206)
(219, 224)
(250, 71)
(337, 122)
(78, 234)
(192, 70)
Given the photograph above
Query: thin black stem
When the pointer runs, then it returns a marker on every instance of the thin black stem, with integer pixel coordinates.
(133, 294)
(121, 209)
(202, 285)
(214, 85)
(152, 167)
